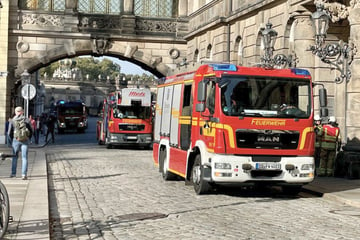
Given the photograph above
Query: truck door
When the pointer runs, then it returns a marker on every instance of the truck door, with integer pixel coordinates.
(185, 122)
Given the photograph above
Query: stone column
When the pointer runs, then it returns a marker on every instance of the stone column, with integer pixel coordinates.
(353, 86)
(128, 18)
(71, 5)
(182, 8)
(129, 7)
(5, 76)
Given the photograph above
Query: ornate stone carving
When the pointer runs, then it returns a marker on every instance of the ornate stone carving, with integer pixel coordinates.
(101, 44)
(355, 3)
(43, 20)
(100, 22)
(336, 10)
(22, 47)
(155, 26)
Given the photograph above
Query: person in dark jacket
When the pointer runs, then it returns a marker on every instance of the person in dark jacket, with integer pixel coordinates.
(50, 123)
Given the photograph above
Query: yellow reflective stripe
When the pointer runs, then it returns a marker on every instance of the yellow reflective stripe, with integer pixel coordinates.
(303, 136)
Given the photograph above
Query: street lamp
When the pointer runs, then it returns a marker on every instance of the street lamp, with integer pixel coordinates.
(340, 54)
(269, 36)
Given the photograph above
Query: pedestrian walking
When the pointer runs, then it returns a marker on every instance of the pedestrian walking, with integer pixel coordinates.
(318, 130)
(330, 143)
(7, 139)
(33, 125)
(20, 132)
(38, 129)
(50, 123)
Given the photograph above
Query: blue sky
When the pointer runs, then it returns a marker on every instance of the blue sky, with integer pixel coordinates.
(127, 67)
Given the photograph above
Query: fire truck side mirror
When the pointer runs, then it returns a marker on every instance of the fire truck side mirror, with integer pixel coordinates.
(201, 96)
(323, 97)
(200, 107)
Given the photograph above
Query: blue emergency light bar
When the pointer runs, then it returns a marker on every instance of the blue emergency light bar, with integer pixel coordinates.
(224, 67)
(299, 71)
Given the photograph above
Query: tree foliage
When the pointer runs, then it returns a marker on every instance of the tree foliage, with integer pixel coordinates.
(94, 69)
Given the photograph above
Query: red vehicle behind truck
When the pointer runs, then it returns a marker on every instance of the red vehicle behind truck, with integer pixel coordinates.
(71, 115)
(126, 119)
(228, 124)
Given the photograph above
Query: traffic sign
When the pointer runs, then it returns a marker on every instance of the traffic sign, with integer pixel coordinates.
(28, 91)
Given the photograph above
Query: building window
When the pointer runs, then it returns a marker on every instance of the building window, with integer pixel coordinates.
(100, 7)
(209, 52)
(153, 8)
(196, 58)
(238, 51)
(43, 5)
(85, 6)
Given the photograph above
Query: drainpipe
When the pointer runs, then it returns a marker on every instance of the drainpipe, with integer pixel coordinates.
(228, 31)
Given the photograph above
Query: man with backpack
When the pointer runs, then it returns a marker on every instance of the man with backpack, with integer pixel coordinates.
(20, 131)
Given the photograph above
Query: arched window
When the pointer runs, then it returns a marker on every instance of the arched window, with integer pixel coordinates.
(100, 7)
(196, 58)
(153, 8)
(209, 52)
(238, 51)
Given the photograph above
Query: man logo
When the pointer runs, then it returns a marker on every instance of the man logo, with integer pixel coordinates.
(268, 138)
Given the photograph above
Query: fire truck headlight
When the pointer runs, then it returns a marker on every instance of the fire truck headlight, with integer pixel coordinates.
(81, 124)
(113, 137)
(222, 166)
(62, 125)
(307, 167)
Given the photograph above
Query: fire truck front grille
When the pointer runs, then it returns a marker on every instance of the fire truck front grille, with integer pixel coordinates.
(267, 139)
(131, 127)
(71, 122)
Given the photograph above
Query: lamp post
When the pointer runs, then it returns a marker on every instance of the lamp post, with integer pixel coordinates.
(269, 36)
(25, 91)
(339, 55)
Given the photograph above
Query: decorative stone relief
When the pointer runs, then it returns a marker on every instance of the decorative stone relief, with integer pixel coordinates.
(22, 47)
(101, 45)
(155, 26)
(174, 53)
(43, 20)
(99, 22)
(355, 3)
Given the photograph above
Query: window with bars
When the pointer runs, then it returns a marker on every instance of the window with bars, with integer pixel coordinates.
(153, 8)
(44, 5)
(100, 7)
(85, 6)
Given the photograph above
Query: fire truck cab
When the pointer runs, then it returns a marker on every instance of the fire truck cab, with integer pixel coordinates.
(228, 124)
(126, 118)
(71, 115)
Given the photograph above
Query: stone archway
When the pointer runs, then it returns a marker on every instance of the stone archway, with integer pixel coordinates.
(95, 47)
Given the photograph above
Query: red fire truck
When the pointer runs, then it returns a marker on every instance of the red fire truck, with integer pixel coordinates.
(228, 124)
(126, 118)
(71, 116)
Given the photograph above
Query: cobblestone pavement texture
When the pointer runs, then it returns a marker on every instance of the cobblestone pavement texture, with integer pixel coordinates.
(98, 193)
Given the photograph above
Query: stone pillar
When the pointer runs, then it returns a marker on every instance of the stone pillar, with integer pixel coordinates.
(129, 7)
(71, 5)
(128, 18)
(5, 76)
(182, 8)
(353, 86)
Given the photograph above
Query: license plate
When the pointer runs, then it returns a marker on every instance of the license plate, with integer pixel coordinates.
(268, 166)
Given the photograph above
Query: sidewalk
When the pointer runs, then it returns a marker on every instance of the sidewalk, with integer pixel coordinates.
(29, 198)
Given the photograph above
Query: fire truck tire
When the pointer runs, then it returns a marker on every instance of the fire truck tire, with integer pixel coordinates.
(163, 166)
(291, 190)
(197, 177)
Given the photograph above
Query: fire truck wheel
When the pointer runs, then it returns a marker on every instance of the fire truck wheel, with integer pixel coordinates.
(200, 185)
(163, 166)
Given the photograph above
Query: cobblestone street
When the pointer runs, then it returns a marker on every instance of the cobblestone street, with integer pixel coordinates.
(98, 193)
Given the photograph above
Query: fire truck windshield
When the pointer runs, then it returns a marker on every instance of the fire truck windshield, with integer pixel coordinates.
(265, 96)
(71, 110)
(138, 112)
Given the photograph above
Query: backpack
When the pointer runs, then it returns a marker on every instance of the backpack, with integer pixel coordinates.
(21, 132)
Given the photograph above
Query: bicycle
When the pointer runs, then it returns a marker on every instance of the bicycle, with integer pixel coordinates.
(5, 217)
